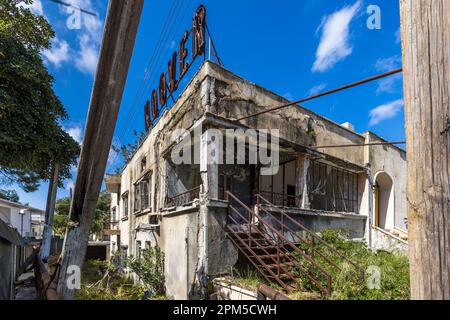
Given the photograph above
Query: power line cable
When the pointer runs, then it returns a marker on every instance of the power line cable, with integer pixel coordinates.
(156, 56)
(150, 62)
(351, 85)
(154, 76)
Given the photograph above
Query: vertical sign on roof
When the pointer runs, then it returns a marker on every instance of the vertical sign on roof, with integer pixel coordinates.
(158, 98)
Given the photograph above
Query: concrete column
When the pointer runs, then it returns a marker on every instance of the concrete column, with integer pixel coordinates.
(301, 182)
(210, 156)
(210, 153)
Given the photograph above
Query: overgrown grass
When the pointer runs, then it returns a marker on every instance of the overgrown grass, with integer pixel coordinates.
(97, 285)
(247, 278)
(102, 281)
(347, 283)
(386, 273)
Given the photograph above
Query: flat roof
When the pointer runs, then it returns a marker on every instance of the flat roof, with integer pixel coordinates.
(7, 203)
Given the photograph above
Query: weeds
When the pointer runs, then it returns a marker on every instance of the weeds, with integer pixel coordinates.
(393, 268)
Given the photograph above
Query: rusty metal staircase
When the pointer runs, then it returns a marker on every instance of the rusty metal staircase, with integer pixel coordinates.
(265, 236)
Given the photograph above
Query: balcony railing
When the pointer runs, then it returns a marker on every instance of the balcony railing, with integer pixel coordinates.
(183, 198)
(110, 225)
(282, 199)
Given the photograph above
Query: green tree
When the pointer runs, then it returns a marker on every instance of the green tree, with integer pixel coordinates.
(102, 214)
(10, 195)
(31, 136)
(127, 151)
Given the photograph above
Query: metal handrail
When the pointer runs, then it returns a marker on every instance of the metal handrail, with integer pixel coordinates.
(248, 247)
(312, 234)
(294, 234)
(284, 243)
(271, 241)
(180, 199)
(286, 198)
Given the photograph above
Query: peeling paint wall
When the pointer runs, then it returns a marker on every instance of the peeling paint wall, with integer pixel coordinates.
(316, 221)
(179, 238)
(236, 97)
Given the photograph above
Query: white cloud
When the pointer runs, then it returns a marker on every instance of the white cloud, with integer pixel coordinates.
(389, 84)
(70, 185)
(316, 89)
(90, 37)
(288, 96)
(58, 53)
(398, 36)
(76, 133)
(87, 57)
(35, 7)
(334, 44)
(387, 64)
(385, 111)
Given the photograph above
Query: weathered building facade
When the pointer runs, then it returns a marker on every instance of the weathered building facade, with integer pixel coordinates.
(183, 208)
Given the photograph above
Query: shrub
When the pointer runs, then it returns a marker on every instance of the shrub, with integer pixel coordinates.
(346, 283)
(149, 268)
(248, 278)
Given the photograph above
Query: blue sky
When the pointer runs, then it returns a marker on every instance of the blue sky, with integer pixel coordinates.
(292, 47)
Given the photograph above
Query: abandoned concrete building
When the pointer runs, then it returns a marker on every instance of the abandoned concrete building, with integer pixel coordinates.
(193, 212)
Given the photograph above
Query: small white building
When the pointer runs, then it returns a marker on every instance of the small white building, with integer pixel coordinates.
(22, 218)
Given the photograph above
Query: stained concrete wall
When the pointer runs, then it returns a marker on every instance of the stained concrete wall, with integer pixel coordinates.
(382, 240)
(222, 254)
(317, 221)
(179, 239)
(391, 161)
(233, 97)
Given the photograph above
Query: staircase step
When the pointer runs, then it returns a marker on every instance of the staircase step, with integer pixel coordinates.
(282, 255)
(282, 276)
(245, 234)
(266, 247)
(245, 238)
(282, 265)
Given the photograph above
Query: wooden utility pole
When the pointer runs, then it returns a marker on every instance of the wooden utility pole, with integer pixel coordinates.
(117, 46)
(425, 26)
(49, 214)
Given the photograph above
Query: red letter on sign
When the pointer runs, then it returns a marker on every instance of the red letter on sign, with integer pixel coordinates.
(162, 90)
(155, 109)
(173, 73)
(198, 32)
(147, 115)
(183, 54)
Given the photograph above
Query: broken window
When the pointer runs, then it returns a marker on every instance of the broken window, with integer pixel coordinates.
(125, 204)
(137, 197)
(142, 194)
(332, 188)
(225, 184)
